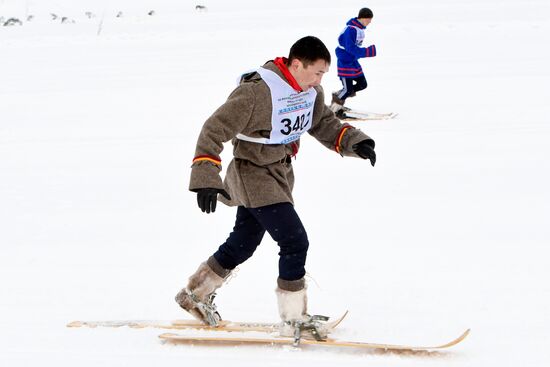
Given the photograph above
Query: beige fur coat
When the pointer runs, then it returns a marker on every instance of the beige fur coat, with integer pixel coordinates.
(259, 174)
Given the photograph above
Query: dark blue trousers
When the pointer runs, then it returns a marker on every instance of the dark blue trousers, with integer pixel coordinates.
(283, 224)
(351, 86)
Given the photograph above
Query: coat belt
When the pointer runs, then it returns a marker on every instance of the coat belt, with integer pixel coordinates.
(287, 159)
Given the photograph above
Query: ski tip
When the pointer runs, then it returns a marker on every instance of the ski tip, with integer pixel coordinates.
(337, 322)
(75, 324)
(456, 341)
(465, 334)
(167, 336)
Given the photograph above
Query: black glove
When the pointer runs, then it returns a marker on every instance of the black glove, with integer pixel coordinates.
(207, 199)
(365, 150)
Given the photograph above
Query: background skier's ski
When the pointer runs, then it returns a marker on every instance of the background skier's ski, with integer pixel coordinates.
(353, 115)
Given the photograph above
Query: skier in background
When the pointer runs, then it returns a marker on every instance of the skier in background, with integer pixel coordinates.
(348, 53)
(265, 117)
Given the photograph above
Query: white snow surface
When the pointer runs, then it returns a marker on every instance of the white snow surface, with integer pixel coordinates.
(450, 230)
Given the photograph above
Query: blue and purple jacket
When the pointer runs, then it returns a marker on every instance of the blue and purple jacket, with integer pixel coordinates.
(350, 51)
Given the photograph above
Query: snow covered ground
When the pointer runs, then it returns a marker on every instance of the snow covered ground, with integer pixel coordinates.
(98, 121)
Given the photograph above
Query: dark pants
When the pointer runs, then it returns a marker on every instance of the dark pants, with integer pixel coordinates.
(351, 86)
(283, 224)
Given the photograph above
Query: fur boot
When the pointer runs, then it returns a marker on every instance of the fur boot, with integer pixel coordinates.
(197, 298)
(292, 305)
(296, 322)
(336, 104)
(336, 99)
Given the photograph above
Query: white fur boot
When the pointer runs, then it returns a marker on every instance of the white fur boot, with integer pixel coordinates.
(292, 308)
(197, 298)
(292, 305)
(296, 322)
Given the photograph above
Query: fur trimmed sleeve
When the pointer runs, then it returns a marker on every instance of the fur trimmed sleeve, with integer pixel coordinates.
(331, 132)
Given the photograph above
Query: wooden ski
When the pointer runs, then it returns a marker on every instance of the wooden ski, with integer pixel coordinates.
(233, 341)
(238, 326)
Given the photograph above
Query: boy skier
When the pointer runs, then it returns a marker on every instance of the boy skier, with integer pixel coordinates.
(265, 117)
(348, 53)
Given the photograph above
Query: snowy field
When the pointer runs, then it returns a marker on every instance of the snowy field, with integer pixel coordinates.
(98, 122)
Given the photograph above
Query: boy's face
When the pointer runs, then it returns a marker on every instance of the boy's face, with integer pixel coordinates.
(365, 21)
(310, 76)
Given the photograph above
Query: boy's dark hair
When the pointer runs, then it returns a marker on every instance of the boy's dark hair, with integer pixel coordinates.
(365, 13)
(308, 50)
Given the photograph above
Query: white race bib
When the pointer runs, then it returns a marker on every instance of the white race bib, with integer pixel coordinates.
(360, 36)
(292, 112)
